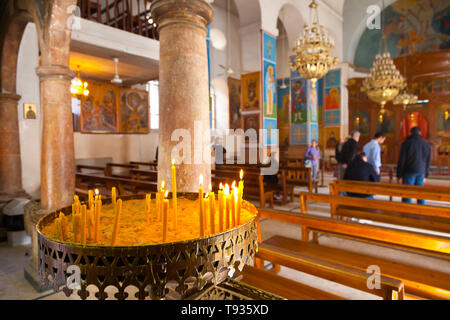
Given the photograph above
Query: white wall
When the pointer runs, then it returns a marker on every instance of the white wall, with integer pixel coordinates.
(30, 130)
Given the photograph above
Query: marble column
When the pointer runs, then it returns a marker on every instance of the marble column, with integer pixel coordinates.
(57, 153)
(183, 87)
(10, 163)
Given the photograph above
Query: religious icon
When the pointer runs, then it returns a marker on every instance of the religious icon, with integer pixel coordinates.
(331, 142)
(313, 105)
(134, 111)
(299, 102)
(414, 119)
(270, 90)
(29, 111)
(234, 93)
(250, 91)
(332, 99)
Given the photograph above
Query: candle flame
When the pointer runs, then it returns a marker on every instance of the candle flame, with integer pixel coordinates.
(201, 179)
(227, 190)
(166, 194)
(96, 192)
(206, 195)
(210, 187)
(236, 194)
(173, 162)
(241, 174)
(162, 184)
(221, 186)
(233, 185)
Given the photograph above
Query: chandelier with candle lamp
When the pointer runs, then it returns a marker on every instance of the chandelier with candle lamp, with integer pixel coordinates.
(78, 86)
(312, 50)
(384, 82)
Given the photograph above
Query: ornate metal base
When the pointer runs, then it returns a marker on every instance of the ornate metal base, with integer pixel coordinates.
(187, 266)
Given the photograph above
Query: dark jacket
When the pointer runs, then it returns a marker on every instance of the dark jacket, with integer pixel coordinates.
(349, 151)
(359, 170)
(415, 156)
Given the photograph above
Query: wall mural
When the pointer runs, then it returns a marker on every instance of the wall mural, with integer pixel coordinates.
(411, 120)
(283, 103)
(250, 84)
(134, 111)
(234, 97)
(269, 85)
(332, 135)
(298, 101)
(410, 26)
(443, 120)
(361, 123)
(386, 123)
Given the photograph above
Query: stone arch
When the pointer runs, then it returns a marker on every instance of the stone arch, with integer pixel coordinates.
(293, 22)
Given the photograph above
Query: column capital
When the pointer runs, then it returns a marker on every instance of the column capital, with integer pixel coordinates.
(195, 12)
(55, 72)
(9, 97)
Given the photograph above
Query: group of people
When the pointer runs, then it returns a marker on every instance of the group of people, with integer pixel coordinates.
(364, 165)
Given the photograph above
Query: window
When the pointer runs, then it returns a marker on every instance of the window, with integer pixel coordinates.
(153, 96)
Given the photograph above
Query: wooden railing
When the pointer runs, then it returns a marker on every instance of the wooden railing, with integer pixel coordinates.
(128, 15)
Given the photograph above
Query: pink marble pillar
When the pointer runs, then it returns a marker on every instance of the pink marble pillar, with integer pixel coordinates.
(57, 153)
(183, 86)
(10, 162)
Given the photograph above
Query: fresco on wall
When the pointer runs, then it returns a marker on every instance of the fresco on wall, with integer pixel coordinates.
(443, 120)
(312, 105)
(410, 26)
(332, 135)
(134, 111)
(250, 84)
(99, 109)
(234, 97)
(251, 121)
(270, 90)
(283, 103)
(284, 137)
(298, 134)
(361, 123)
(298, 97)
(270, 133)
(386, 123)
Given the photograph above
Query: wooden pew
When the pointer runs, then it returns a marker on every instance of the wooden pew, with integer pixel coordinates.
(110, 166)
(397, 213)
(418, 281)
(144, 175)
(85, 182)
(391, 190)
(254, 187)
(81, 167)
(153, 166)
(299, 177)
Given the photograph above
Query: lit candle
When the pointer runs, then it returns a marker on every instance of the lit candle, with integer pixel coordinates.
(233, 198)
(148, 200)
(212, 212)
(83, 224)
(77, 228)
(200, 188)
(174, 194)
(221, 207)
(237, 204)
(91, 222)
(91, 199)
(158, 206)
(240, 196)
(114, 195)
(59, 230)
(98, 210)
(165, 215)
(205, 212)
(118, 211)
(161, 199)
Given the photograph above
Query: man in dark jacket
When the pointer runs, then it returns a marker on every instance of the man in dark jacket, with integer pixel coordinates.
(349, 150)
(414, 161)
(360, 170)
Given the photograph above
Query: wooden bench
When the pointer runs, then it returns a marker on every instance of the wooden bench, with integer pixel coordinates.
(110, 166)
(418, 281)
(299, 177)
(254, 187)
(144, 175)
(396, 213)
(81, 167)
(85, 182)
(153, 166)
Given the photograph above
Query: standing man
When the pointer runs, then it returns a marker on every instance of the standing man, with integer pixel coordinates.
(373, 152)
(349, 151)
(414, 161)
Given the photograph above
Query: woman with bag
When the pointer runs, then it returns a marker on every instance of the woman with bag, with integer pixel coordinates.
(312, 157)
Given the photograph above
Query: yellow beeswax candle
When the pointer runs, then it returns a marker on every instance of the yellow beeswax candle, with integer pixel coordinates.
(227, 206)
(77, 228)
(233, 207)
(91, 199)
(157, 206)
(62, 219)
(83, 224)
(91, 222)
(59, 229)
(174, 195)
(206, 212)
(98, 210)
(221, 209)
(165, 216)
(114, 195)
(212, 212)
(148, 201)
(161, 198)
(118, 211)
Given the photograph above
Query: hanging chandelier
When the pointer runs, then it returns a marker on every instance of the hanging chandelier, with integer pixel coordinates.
(78, 87)
(405, 99)
(312, 51)
(385, 81)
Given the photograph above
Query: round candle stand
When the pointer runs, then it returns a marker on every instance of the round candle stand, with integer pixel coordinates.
(176, 270)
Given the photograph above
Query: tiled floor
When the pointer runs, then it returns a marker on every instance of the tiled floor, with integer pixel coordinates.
(13, 260)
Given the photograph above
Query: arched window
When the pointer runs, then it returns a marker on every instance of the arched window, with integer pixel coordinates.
(153, 96)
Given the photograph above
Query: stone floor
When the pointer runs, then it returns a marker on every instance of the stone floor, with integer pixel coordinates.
(13, 260)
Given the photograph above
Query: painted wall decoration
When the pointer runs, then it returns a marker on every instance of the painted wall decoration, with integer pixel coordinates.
(270, 133)
(234, 97)
(361, 122)
(134, 111)
(386, 123)
(332, 135)
(251, 121)
(443, 120)
(333, 79)
(332, 98)
(269, 47)
(270, 91)
(283, 103)
(314, 132)
(313, 105)
(284, 136)
(332, 117)
(319, 85)
(410, 26)
(299, 135)
(250, 84)
(99, 110)
(414, 119)
(298, 101)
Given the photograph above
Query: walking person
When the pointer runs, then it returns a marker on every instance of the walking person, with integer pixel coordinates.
(313, 155)
(348, 153)
(360, 170)
(373, 152)
(414, 161)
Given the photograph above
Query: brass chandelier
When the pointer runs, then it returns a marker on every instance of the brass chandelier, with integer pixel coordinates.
(312, 51)
(78, 87)
(385, 81)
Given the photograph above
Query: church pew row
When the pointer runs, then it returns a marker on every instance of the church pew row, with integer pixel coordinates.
(144, 175)
(110, 166)
(285, 189)
(391, 190)
(254, 187)
(396, 213)
(85, 182)
(419, 282)
(152, 166)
